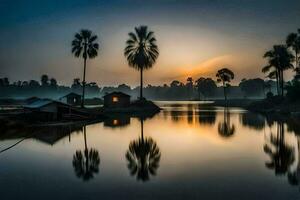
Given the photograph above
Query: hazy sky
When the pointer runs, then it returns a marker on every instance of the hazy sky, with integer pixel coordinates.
(195, 37)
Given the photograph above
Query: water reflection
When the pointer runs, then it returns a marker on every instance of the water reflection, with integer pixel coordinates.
(143, 157)
(225, 128)
(195, 153)
(207, 117)
(117, 121)
(192, 113)
(280, 152)
(252, 120)
(86, 163)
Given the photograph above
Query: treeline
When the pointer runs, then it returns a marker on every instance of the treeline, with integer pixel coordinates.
(199, 89)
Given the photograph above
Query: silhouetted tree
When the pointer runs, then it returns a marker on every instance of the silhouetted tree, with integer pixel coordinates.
(34, 83)
(44, 80)
(85, 45)
(279, 60)
(190, 86)
(4, 81)
(224, 76)
(141, 51)
(252, 87)
(293, 42)
(205, 86)
(53, 82)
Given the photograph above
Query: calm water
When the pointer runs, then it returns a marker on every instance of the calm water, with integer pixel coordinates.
(188, 151)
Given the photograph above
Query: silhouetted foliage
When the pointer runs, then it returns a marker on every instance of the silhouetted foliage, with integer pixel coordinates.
(224, 76)
(85, 45)
(293, 42)
(143, 157)
(141, 51)
(279, 60)
(280, 153)
(225, 128)
(252, 120)
(86, 164)
(206, 87)
(252, 87)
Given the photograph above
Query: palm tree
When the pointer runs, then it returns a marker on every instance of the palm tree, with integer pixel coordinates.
(279, 60)
(293, 42)
(141, 51)
(86, 164)
(225, 76)
(143, 157)
(85, 45)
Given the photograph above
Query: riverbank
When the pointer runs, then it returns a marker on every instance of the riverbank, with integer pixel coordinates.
(234, 102)
(275, 105)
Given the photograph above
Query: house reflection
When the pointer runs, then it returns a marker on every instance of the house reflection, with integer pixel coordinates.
(86, 162)
(225, 128)
(117, 121)
(49, 135)
(143, 157)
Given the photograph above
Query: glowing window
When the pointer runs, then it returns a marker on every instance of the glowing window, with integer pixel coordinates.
(115, 122)
(115, 99)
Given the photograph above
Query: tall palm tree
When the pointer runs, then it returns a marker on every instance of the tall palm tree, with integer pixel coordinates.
(143, 157)
(279, 60)
(141, 51)
(293, 42)
(85, 45)
(224, 76)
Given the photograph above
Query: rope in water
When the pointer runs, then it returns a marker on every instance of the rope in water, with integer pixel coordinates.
(1, 151)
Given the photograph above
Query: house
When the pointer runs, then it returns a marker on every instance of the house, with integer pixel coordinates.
(31, 100)
(116, 100)
(71, 99)
(47, 109)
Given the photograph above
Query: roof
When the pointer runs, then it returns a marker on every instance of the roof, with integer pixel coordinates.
(117, 94)
(41, 103)
(71, 94)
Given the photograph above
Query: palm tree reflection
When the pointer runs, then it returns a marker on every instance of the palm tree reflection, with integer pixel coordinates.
(294, 176)
(86, 163)
(143, 157)
(225, 128)
(281, 154)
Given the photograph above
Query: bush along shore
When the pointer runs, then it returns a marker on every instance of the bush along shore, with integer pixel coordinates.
(276, 105)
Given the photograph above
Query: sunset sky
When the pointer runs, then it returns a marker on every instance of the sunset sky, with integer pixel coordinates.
(195, 37)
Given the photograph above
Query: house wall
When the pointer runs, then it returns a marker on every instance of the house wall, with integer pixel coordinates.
(122, 101)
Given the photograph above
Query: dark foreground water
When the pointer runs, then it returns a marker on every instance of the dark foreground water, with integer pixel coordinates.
(188, 151)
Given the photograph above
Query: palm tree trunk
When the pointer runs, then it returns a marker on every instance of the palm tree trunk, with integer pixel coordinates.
(225, 93)
(84, 134)
(83, 84)
(277, 82)
(282, 83)
(141, 88)
(297, 68)
(142, 129)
